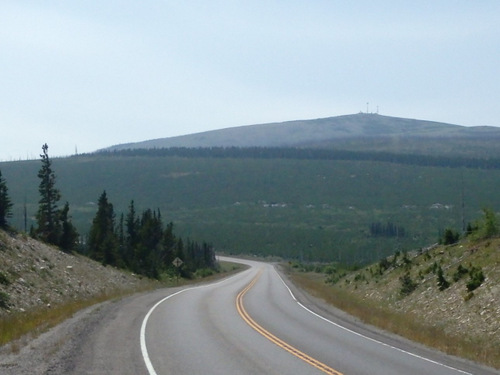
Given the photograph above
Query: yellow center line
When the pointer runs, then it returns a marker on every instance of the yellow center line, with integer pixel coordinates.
(282, 344)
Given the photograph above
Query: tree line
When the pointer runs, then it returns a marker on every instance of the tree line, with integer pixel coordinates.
(388, 229)
(312, 154)
(140, 243)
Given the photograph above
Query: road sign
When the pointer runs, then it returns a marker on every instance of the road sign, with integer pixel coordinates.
(177, 262)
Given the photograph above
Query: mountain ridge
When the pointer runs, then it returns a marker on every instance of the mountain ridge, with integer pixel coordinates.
(340, 131)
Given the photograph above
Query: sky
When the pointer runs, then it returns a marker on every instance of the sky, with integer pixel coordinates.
(84, 75)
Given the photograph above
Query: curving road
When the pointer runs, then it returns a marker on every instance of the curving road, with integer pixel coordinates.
(251, 323)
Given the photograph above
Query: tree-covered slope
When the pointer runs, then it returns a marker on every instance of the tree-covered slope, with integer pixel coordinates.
(299, 208)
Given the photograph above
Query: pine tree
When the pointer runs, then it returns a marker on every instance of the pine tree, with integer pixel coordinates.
(103, 242)
(69, 235)
(5, 203)
(131, 238)
(490, 223)
(407, 284)
(169, 243)
(148, 250)
(49, 227)
(441, 280)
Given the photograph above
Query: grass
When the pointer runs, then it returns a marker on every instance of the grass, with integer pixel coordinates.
(406, 325)
(35, 322)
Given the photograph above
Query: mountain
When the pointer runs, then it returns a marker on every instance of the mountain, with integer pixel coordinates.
(297, 203)
(361, 131)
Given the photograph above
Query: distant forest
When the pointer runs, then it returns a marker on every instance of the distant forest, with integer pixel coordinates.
(312, 154)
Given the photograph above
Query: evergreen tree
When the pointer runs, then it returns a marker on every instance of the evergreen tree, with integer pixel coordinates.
(450, 237)
(407, 285)
(149, 247)
(441, 280)
(5, 203)
(69, 235)
(169, 242)
(121, 239)
(131, 237)
(103, 242)
(491, 228)
(49, 227)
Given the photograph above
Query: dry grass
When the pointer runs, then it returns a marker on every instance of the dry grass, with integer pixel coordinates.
(35, 322)
(404, 324)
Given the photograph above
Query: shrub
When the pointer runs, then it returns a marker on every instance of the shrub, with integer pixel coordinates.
(406, 261)
(407, 285)
(204, 272)
(318, 268)
(4, 300)
(490, 223)
(460, 272)
(442, 282)
(450, 237)
(330, 270)
(486, 227)
(476, 279)
(360, 277)
(3, 279)
(383, 265)
(335, 277)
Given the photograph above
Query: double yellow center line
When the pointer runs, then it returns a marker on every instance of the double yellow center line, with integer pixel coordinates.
(282, 344)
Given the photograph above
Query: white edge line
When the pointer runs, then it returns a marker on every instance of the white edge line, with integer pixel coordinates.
(144, 349)
(366, 337)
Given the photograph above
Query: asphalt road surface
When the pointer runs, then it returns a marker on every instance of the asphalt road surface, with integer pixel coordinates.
(251, 323)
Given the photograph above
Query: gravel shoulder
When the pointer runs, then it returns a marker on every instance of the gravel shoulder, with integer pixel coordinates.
(81, 344)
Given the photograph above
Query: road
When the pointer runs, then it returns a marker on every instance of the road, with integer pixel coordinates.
(253, 324)
(250, 323)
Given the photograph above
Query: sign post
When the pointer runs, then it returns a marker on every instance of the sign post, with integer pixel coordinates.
(177, 262)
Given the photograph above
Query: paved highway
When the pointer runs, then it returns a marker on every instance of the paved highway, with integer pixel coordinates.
(251, 323)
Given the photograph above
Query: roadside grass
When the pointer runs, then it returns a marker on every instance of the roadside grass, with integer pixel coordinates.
(478, 349)
(30, 324)
(33, 323)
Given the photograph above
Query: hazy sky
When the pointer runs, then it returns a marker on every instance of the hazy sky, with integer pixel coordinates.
(90, 74)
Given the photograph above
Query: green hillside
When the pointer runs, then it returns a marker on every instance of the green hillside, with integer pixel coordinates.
(298, 208)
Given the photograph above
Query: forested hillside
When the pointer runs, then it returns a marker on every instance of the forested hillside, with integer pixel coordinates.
(140, 243)
(355, 208)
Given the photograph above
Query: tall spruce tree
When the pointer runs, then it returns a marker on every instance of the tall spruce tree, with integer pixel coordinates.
(169, 242)
(49, 227)
(103, 242)
(5, 203)
(131, 237)
(69, 235)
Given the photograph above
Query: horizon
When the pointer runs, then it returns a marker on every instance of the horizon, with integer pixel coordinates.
(76, 152)
(93, 74)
